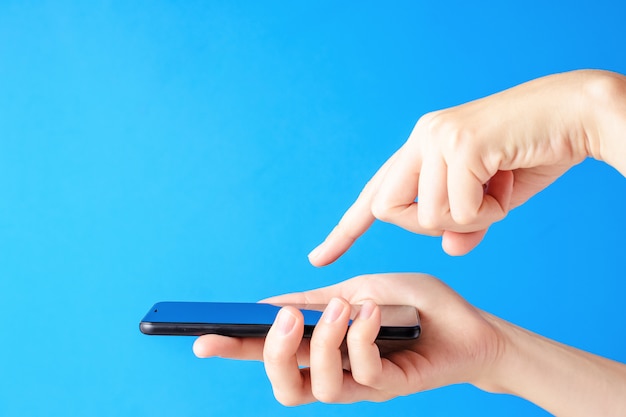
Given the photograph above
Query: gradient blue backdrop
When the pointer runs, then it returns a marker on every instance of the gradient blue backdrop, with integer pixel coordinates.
(196, 150)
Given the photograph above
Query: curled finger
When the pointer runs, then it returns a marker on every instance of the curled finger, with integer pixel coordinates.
(369, 369)
(327, 374)
(290, 384)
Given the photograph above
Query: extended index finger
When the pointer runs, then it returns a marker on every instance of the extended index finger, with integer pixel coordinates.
(355, 221)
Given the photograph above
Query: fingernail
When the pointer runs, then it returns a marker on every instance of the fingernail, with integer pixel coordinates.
(333, 310)
(366, 310)
(285, 321)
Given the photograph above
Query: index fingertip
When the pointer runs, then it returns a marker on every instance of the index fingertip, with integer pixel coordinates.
(314, 256)
(330, 250)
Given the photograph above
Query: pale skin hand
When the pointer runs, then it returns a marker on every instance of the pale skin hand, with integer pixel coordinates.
(459, 344)
(469, 165)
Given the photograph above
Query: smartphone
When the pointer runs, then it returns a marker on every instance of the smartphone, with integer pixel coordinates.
(255, 319)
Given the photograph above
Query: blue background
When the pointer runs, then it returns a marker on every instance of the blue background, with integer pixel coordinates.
(199, 150)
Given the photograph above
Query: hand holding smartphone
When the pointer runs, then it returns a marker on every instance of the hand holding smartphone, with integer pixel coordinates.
(255, 319)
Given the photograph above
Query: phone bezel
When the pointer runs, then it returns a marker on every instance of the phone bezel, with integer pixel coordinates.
(150, 326)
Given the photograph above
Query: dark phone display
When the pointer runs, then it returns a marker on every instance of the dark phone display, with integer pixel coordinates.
(255, 319)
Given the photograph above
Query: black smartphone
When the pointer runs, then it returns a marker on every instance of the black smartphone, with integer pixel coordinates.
(255, 319)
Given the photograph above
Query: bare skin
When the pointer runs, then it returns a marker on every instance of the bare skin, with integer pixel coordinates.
(460, 344)
(461, 170)
(468, 166)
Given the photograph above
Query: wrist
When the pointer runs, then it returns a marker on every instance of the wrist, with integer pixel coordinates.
(494, 376)
(604, 117)
(556, 377)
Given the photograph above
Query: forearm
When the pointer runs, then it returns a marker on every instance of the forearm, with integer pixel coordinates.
(605, 117)
(563, 380)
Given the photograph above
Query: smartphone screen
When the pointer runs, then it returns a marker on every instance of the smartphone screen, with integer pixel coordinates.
(255, 319)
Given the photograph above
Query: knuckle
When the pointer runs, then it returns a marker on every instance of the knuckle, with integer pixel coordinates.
(287, 399)
(366, 378)
(356, 340)
(464, 217)
(324, 340)
(429, 219)
(454, 136)
(319, 343)
(382, 211)
(325, 395)
(362, 338)
(424, 124)
(273, 357)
